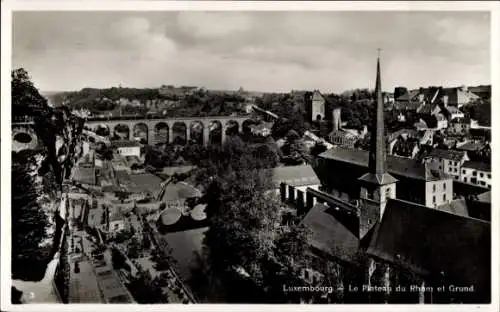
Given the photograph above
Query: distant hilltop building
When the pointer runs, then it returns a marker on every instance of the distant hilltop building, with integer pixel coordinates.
(317, 106)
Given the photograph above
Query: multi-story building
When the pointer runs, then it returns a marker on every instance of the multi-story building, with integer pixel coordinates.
(475, 172)
(458, 127)
(449, 161)
(127, 148)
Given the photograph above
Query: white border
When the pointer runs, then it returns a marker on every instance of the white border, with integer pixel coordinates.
(61, 5)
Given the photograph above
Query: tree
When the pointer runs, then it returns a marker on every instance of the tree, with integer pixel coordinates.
(245, 231)
(144, 289)
(29, 222)
(26, 100)
(317, 149)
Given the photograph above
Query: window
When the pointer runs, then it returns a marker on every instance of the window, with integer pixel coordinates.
(489, 175)
(444, 197)
(444, 186)
(450, 162)
(474, 173)
(465, 179)
(489, 186)
(463, 171)
(388, 193)
(481, 175)
(434, 199)
(483, 183)
(434, 188)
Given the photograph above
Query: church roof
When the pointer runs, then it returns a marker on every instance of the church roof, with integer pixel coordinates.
(329, 234)
(409, 168)
(429, 240)
(379, 179)
(457, 206)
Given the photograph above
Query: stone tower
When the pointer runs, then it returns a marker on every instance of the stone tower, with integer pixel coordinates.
(377, 186)
(317, 106)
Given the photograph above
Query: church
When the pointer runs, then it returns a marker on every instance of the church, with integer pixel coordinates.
(395, 241)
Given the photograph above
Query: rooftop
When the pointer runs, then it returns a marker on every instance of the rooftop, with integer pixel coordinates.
(430, 240)
(329, 235)
(127, 143)
(145, 183)
(471, 146)
(295, 175)
(179, 190)
(447, 154)
(84, 175)
(405, 167)
(177, 169)
(478, 165)
(484, 197)
(457, 206)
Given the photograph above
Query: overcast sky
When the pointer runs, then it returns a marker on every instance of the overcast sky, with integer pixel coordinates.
(260, 51)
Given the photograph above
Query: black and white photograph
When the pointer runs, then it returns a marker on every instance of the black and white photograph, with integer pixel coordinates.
(248, 155)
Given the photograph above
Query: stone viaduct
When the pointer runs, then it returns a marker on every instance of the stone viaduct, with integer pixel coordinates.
(162, 129)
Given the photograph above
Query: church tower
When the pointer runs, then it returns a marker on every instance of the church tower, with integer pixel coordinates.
(377, 186)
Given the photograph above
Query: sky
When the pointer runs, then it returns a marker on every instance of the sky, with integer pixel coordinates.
(330, 51)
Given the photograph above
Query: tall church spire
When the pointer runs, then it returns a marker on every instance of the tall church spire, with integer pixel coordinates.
(377, 146)
(377, 186)
(377, 170)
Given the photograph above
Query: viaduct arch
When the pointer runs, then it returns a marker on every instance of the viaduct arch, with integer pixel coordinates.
(161, 130)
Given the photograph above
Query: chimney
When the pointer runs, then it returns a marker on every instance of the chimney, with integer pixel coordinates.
(336, 118)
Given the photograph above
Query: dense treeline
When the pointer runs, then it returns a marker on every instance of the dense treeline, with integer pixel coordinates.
(29, 220)
(199, 102)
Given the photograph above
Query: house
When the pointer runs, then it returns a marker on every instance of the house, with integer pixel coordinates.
(458, 127)
(452, 112)
(458, 97)
(449, 161)
(116, 222)
(262, 129)
(127, 148)
(484, 92)
(405, 148)
(299, 177)
(343, 138)
(475, 172)
(388, 98)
